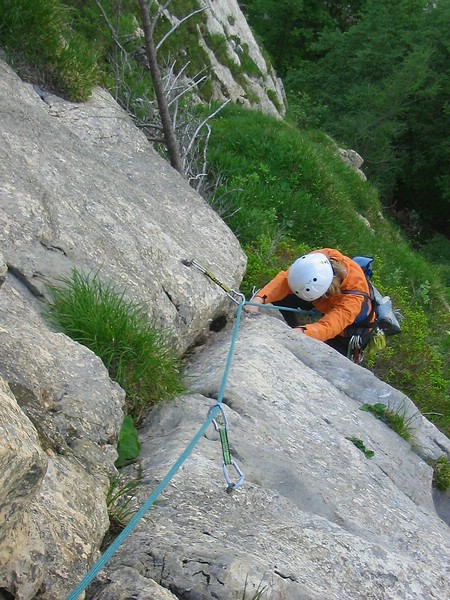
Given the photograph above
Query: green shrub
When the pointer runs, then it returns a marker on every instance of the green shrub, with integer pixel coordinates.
(136, 354)
(441, 476)
(38, 35)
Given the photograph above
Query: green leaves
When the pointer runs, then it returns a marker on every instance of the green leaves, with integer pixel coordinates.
(128, 445)
(360, 445)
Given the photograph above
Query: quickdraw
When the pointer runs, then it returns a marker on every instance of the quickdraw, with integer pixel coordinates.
(222, 429)
(234, 295)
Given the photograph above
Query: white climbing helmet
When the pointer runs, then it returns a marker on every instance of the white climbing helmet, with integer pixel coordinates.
(310, 276)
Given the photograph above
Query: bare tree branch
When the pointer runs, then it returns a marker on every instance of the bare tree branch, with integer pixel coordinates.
(205, 121)
(110, 27)
(175, 27)
(167, 119)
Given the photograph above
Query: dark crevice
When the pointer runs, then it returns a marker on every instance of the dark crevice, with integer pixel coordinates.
(205, 575)
(171, 300)
(226, 401)
(186, 561)
(439, 445)
(285, 576)
(25, 281)
(6, 595)
(234, 407)
(169, 296)
(53, 248)
(218, 323)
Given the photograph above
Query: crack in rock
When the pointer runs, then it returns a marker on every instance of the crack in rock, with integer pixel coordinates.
(22, 278)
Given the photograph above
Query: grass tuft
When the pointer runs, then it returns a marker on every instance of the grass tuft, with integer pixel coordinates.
(137, 355)
(119, 500)
(257, 595)
(441, 476)
(121, 506)
(396, 420)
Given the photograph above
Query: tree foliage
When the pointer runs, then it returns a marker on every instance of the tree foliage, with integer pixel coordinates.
(376, 76)
(289, 29)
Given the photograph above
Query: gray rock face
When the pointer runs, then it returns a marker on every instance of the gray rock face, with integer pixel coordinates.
(315, 517)
(81, 187)
(60, 417)
(22, 461)
(226, 19)
(3, 270)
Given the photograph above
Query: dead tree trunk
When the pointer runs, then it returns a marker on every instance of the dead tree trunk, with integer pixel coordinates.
(170, 139)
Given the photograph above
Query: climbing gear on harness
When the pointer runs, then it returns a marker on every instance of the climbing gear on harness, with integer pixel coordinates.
(377, 341)
(310, 276)
(387, 318)
(234, 295)
(355, 351)
(222, 429)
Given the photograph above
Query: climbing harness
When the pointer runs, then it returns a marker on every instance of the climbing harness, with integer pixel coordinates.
(222, 429)
(234, 295)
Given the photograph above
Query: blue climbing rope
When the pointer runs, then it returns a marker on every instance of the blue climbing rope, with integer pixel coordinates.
(133, 522)
(212, 414)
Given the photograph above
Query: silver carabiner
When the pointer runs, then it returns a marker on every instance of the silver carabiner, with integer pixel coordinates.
(231, 485)
(224, 417)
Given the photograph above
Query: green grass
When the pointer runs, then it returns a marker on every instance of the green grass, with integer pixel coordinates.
(136, 354)
(441, 476)
(394, 419)
(271, 94)
(284, 192)
(39, 39)
(119, 499)
(121, 506)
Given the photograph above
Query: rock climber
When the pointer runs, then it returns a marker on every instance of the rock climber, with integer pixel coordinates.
(336, 287)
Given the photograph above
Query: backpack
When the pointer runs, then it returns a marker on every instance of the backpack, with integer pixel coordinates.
(385, 315)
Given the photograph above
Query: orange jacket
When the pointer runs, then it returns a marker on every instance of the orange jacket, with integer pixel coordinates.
(339, 311)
